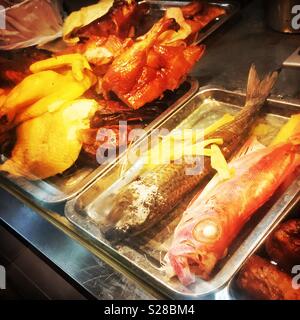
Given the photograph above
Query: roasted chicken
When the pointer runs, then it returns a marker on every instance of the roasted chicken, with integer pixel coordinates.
(100, 51)
(49, 144)
(106, 120)
(106, 38)
(145, 70)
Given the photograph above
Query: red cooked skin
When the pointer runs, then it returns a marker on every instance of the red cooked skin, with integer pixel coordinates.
(145, 70)
(226, 209)
(128, 67)
(173, 64)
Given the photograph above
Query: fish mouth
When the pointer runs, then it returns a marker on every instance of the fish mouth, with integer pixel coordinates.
(187, 263)
(181, 268)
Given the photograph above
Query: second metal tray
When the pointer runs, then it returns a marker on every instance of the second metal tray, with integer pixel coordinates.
(142, 255)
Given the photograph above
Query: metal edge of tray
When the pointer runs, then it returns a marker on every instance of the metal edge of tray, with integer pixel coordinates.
(280, 208)
(37, 192)
(231, 8)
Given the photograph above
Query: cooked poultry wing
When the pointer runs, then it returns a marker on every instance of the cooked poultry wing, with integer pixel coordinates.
(145, 70)
(283, 245)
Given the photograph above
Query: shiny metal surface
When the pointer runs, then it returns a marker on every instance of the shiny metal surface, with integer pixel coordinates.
(293, 61)
(145, 252)
(226, 63)
(56, 241)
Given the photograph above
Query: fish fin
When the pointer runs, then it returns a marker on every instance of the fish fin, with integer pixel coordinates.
(251, 145)
(259, 90)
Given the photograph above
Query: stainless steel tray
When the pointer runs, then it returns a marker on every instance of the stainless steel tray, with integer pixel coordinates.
(158, 7)
(142, 254)
(64, 187)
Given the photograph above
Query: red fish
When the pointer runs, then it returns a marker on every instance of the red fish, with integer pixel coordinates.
(214, 219)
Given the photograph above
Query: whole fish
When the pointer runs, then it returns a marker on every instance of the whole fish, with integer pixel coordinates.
(146, 200)
(212, 221)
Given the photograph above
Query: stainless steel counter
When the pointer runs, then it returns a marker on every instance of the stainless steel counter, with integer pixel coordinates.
(228, 57)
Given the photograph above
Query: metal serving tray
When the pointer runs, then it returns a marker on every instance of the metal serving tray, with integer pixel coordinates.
(66, 186)
(142, 255)
(232, 291)
(157, 9)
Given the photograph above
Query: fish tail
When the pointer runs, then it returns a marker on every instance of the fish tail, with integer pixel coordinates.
(259, 90)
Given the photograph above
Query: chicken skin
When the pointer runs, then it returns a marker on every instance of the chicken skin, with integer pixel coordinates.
(146, 69)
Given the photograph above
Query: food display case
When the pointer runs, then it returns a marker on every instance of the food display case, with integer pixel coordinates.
(87, 222)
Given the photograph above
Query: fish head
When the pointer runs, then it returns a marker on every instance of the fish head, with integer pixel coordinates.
(189, 254)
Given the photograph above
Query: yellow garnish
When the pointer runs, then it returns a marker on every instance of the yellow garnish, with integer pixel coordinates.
(219, 123)
(179, 144)
(290, 129)
(196, 134)
(70, 90)
(218, 162)
(76, 61)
